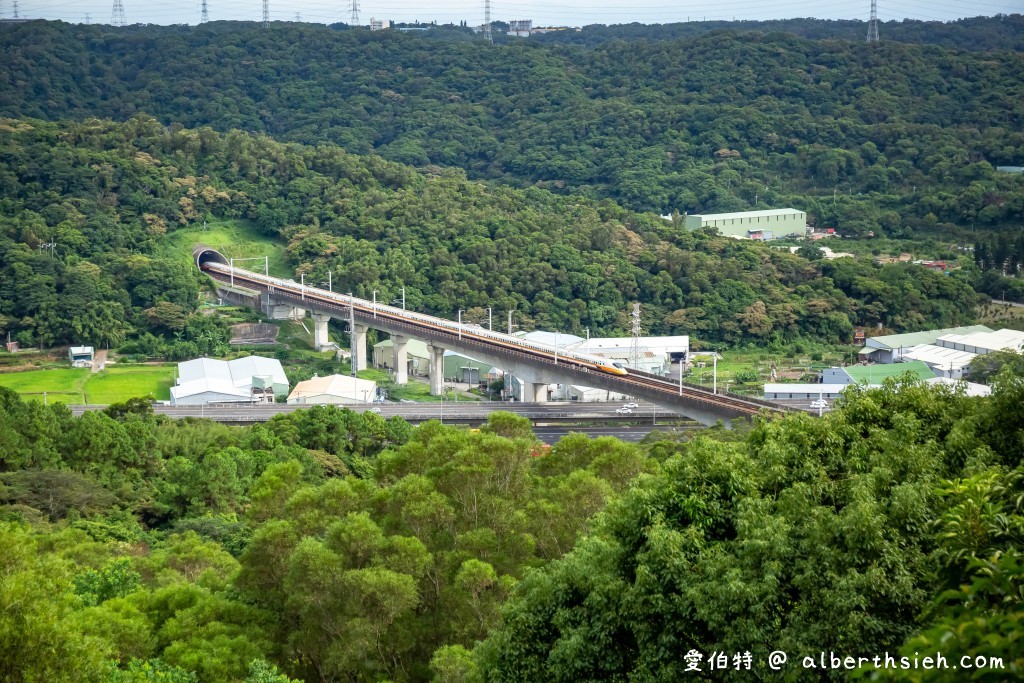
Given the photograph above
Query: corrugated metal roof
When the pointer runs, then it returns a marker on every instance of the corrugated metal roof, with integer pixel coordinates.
(344, 386)
(875, 374)
(895, 341)
(989, 341)
(414, 347)
(970, 388)
(748, 214)
(947, 359)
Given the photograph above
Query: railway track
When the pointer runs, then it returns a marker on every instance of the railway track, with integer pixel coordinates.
(472, 336)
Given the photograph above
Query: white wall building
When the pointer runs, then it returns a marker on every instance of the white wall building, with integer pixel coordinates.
(209, 380)
(333, 389)
(982, 343)
(765, 224)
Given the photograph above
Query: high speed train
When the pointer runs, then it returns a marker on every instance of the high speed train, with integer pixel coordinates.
(471, 332)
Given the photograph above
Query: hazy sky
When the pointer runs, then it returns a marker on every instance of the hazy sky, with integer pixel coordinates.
(558, 12)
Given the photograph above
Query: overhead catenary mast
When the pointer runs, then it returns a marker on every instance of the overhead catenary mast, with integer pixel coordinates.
(117, 17)
(872, 24)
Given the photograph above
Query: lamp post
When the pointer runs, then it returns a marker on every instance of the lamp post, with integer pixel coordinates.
(352, 333)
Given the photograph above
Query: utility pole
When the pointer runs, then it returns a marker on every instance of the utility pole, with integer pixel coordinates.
(205, 16)
(266, 13)
(117, 17)
(873, 23)
(487, 21)
(352, 333)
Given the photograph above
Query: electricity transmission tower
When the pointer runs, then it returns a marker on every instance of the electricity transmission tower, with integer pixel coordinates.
(873, 23)
(117, 17)
(634, 346)
(205, 16)
(354, 21)
(487, 21)
(266, 13)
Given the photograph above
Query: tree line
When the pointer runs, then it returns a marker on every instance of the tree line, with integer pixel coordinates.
(108, 194)
(894, 138)
(327, 545)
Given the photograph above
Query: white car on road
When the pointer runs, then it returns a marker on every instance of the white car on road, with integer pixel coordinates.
(820, 403)
(623, 410)
(630, 405)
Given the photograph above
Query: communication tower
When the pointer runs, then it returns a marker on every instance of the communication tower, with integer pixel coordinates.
(873, 23)
(117, 17)
(487, 21)
(634, 346)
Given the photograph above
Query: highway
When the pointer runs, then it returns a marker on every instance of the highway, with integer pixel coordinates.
(461, 412)
(689, 399)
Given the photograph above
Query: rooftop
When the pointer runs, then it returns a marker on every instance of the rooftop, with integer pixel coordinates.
(876, 374)
(895, 341)
(335, 385)
(748, 214)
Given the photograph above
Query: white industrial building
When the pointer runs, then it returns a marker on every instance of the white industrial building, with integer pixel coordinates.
(890, 348)
(982, 343)
(948, 352)
(333, 389)
(767, 224)
(830, 392)
(252, 379)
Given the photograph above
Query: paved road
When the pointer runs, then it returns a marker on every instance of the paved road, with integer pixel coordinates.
(625, 433)
(419, 412)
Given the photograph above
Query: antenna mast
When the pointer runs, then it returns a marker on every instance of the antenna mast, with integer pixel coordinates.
(634, 347)
(205, 16)
(354, 21)
(487, 21)
(266, 13)
(873, 23)
(117, 17)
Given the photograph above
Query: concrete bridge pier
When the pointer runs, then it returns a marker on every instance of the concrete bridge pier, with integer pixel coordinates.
(401, 358)
(534, 392)
(358, 336)
(436, 369)
(321, 340)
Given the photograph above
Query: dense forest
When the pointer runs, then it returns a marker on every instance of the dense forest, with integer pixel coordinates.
(331, 546)
(107, 194)
(1005, 32)
(891, 138)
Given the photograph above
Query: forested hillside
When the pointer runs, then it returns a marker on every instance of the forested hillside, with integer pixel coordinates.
(108, 193)
(1005, 32)
(889, 137)
(342, 547)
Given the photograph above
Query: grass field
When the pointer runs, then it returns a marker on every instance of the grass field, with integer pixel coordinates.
(118, 383)
(234, 239)
(1001, 316)
(115, 384)
(64, 385)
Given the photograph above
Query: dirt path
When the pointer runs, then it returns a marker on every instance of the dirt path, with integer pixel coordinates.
(99, 360)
